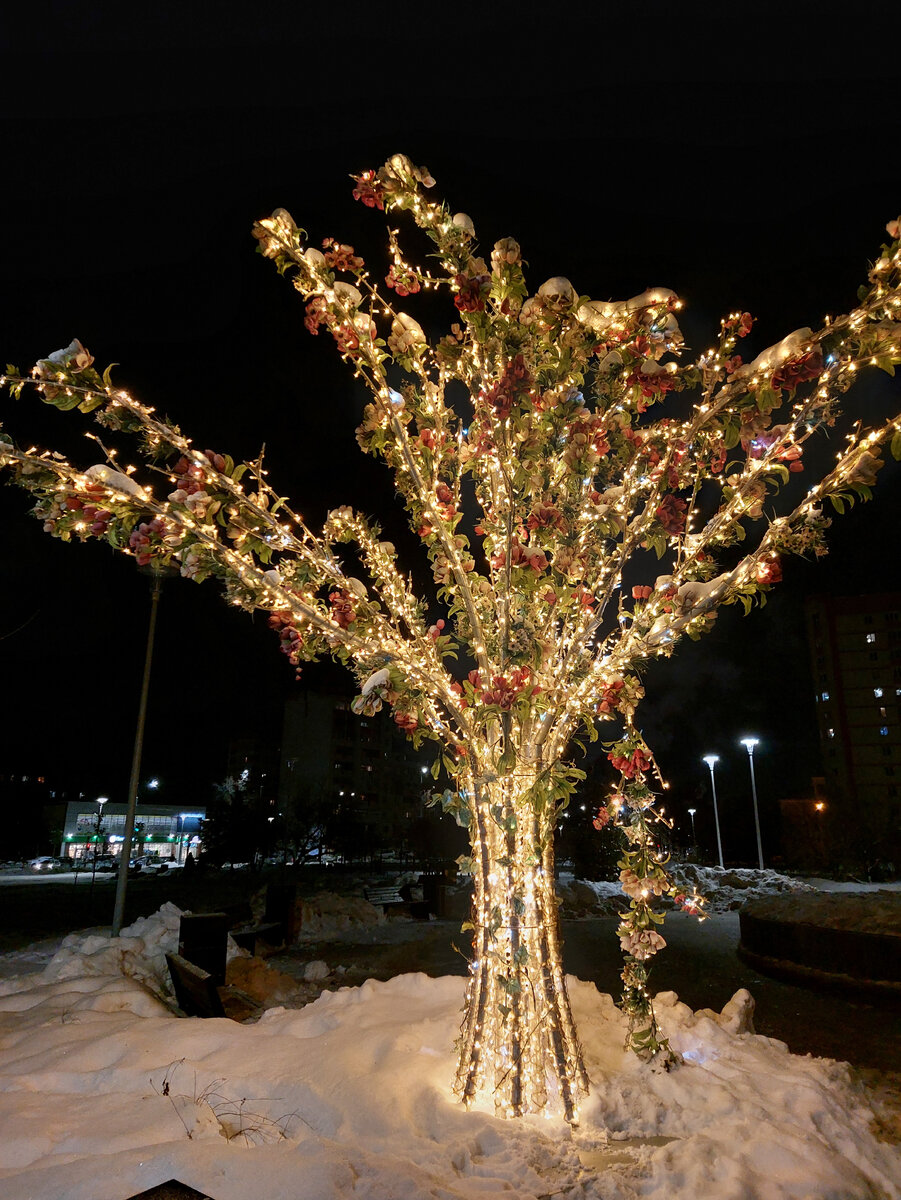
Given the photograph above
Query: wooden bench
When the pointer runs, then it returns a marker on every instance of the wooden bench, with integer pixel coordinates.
(383, 897)
(198, 996)
(271, 933)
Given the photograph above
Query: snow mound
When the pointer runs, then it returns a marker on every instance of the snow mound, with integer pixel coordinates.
(104, 1092)
(724, 890)
(729, 889)
(327, 915)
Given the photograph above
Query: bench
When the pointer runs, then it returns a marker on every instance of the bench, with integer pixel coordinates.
(383, 897)
(272, 933)
(197, 995)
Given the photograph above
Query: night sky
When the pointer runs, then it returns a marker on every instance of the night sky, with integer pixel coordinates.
(745, 161)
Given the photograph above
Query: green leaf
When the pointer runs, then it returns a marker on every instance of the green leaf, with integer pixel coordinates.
(884, 363)
(896, 446)
(837, 503)
(507, 761)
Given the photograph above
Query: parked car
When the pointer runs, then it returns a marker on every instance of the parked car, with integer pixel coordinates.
(44, 865)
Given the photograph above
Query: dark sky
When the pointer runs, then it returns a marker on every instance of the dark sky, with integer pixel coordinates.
(745, 160)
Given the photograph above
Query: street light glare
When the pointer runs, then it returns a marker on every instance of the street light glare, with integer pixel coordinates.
(749, 743)
(710, 759)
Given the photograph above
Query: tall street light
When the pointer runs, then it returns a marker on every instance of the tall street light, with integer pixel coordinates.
(158, 574)
(100, 801)
(711, 760)
(749, 743)
(694, 839)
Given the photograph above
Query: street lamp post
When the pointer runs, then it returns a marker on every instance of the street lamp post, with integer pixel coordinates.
(749, 743)
(694, 839)
(100, 801)
(711, 760)
(158, 574)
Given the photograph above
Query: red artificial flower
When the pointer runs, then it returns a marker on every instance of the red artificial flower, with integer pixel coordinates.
(610, 697)
(341, 257)
(601, 819)
(671, 515)
(471, 292)
(545, 516)
(629, 765)
(406, 721)
(799, 370)
(769, 571)
(317, 314)
(368, 190)
(342, 609)
(404, 282)
(641, 592)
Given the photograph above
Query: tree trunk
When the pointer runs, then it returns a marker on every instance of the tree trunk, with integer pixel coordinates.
(518, 1048)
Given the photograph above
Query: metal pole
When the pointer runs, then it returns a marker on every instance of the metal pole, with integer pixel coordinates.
(128, 833)
(756, 814)
(716, 817)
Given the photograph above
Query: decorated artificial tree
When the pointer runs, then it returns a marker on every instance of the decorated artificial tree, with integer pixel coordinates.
(551, 452)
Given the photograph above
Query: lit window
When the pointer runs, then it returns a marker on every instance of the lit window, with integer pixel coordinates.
(877, 692)
(883, 713)
(824, 695)
(871, 637)
(883, 731)
(830, 733)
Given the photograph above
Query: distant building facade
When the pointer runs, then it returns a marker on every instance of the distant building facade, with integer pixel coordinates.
(855, 649)
(167, 830)
(363, 768)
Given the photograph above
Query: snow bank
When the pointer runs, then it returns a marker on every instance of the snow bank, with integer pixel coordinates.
(104, 1093)
(724, 890)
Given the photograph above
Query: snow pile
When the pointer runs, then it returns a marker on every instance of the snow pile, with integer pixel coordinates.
(139, 954)
(104, 1093)
(729, 889)
(724, 890)
(326, 915)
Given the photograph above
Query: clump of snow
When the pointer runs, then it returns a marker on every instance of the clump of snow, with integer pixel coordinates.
(724, 890)
(327, 914)
(103, 1092)
(729, 889)
(774, 356)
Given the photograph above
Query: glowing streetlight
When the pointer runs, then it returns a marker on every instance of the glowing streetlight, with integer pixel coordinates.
(100, 801)
(749, 743)
(691, 813)
(711, 760)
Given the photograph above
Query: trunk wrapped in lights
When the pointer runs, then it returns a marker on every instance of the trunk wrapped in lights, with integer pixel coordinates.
(518, 1043)
(547, 615)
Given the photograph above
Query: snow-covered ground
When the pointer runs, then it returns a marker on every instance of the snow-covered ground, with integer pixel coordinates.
(105, 1093)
